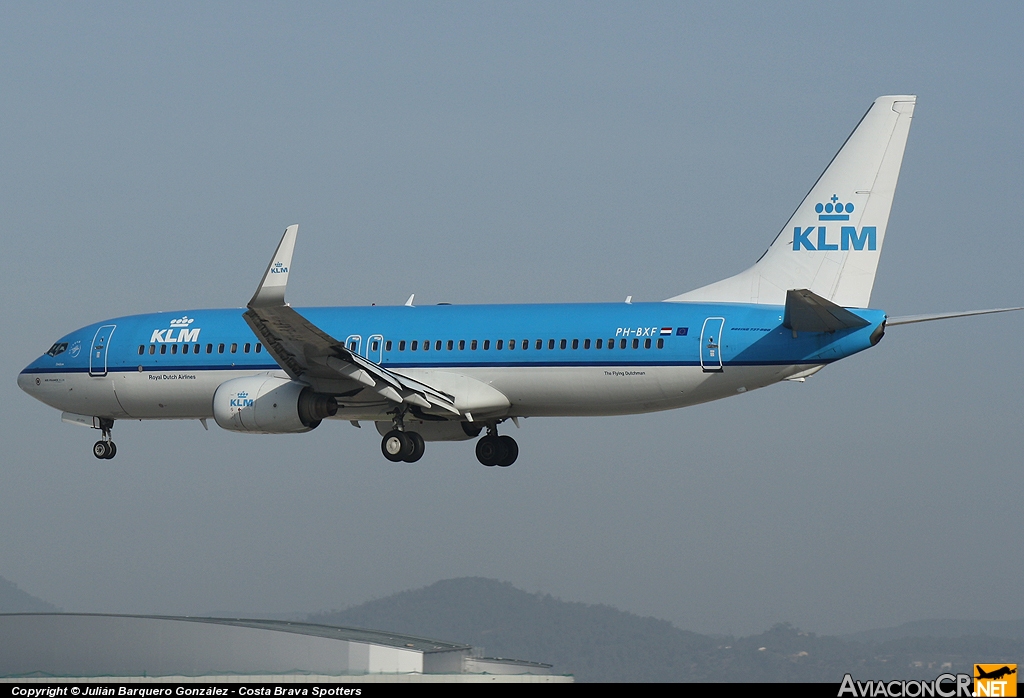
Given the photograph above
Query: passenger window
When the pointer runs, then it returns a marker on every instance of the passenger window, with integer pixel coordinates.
(575, 344)
(234, 347)
(174, 348)
(163, 348)
(462, 345)
(451, 344)
(209, 348)
(540, 343)
(561, 345)
(414, 345)
(259, 347)
(387, 345)
(401, 345)
(647, 344)
(374, 345)
(152, 349)
(622, 344)
(437, 345)
(184, 348)
(246, 348)
(426, 345)
(472, 345)
(526, 344)
(351, 346)
(511, 344)
(142, 348)
(551, 344)
(500, 344)
(611, 343)
(220, 348)
(661, 343)
(487, 344)
(600, 344)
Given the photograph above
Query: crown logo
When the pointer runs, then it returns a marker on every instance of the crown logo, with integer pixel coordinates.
(834, 210)
(183, 321)
(242, 395)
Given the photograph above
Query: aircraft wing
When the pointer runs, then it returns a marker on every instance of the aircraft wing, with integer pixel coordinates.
(309, 354)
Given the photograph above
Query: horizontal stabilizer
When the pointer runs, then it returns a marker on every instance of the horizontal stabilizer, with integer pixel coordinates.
(910, 319)
(809, 312)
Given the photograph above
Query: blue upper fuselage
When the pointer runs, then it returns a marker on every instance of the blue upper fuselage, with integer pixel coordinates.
(605, 334)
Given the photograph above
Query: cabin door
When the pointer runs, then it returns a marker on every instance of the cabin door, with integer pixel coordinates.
(353, 342)
(711, 345)
(374, 348)
(98, 350)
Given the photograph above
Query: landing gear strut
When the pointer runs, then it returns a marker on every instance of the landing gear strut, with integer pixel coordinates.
(496, 450)
(105, 449)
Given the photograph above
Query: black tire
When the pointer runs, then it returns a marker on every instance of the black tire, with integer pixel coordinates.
(489, 450)
(510, 451)
(100, 450)
(395, 446)
(418, 447)
(112, 450)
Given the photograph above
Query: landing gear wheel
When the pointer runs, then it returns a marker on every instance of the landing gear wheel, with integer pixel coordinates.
(396, 446)
(418, 446)
(489, 450)
(104, 450)
(510, 451)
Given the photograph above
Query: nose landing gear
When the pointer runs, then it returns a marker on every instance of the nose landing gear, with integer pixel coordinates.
(105, 449)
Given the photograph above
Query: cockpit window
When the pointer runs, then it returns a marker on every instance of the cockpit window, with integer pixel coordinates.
(58, 348)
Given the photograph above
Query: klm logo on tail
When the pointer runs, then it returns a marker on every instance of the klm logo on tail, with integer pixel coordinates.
(849, 238)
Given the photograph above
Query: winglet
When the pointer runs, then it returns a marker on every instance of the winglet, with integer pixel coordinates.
(275, 278)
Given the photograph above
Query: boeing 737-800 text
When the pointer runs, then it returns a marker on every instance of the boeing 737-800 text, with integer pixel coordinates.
(448, 373)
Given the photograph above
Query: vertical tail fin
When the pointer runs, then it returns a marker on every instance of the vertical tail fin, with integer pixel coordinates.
(832, 243)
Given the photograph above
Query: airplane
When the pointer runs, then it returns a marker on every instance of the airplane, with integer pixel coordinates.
(452, 373)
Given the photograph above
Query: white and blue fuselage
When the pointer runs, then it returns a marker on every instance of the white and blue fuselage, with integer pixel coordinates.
(547, 360)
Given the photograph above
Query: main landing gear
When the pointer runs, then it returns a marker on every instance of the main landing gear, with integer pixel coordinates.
(497, 450)
(400, 446)
(105, 449)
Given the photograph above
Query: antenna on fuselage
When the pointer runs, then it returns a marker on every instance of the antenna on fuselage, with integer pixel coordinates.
(408, 303)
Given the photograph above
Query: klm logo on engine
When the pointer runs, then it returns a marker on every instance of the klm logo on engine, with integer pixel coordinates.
(820, 237)
(179, 331)
(241, 399)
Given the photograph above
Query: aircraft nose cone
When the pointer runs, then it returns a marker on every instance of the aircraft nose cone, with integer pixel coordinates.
(27, 381)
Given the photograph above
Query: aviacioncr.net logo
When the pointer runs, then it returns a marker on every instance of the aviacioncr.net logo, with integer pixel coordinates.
(945, 686)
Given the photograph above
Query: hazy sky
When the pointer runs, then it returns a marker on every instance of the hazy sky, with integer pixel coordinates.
(151, 154)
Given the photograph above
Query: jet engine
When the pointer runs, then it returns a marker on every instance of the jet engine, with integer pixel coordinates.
(270, 405)
(436, 431)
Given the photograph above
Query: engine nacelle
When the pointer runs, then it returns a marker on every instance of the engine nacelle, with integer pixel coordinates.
(435, 431)
(270, 405)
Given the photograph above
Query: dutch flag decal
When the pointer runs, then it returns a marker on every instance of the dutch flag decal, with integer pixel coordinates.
(666, 330)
